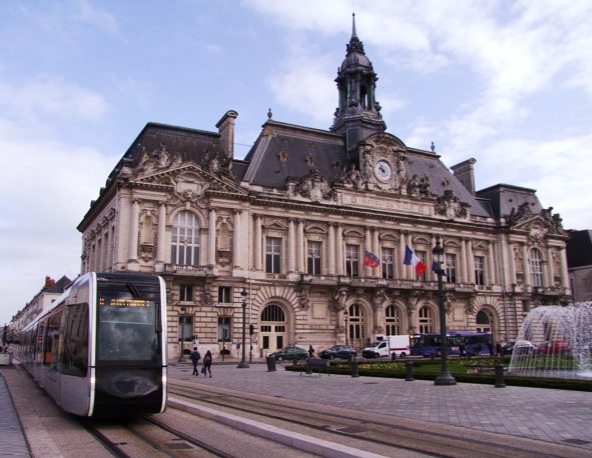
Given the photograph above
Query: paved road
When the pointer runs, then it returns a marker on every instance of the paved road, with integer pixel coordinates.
(559, 416)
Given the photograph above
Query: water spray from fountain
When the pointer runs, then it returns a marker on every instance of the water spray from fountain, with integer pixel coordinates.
(555, 341)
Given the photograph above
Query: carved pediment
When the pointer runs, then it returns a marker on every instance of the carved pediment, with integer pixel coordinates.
(188, 182)
(537, 224)
(313, 186)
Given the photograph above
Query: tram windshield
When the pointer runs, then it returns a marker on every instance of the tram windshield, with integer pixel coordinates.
(127, 325)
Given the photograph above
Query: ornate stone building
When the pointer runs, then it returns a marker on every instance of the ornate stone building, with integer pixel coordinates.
(290, 224)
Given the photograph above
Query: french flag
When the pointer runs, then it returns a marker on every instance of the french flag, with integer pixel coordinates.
(411, 259)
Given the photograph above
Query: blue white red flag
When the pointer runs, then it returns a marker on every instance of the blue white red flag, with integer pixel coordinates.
(411, 259)
(371, 260)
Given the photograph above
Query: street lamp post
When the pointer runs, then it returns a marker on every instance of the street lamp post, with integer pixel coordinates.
(243, 364)
(445, 377)
(182, 322)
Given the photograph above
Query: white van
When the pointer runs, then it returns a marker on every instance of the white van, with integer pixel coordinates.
(392, 346)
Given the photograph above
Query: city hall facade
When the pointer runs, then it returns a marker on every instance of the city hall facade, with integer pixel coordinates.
(307, 235)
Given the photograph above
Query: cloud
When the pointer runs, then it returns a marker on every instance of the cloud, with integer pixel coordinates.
(46, 96)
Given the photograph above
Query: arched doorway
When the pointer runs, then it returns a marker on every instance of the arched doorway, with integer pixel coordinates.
(273, 329)
(356, 327)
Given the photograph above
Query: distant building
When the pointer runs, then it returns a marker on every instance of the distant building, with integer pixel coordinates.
(41, 301)
(314, 226)
(579, 260)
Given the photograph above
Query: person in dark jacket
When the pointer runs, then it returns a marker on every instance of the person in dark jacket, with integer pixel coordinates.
(207, 364)
(195, 357)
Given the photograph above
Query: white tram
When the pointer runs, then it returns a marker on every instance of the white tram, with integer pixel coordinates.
(100, 350)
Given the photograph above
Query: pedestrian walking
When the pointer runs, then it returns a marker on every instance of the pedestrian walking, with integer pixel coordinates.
(195, 357)
(461, 349)
(207, 364)
(310, 351)
(499, 350)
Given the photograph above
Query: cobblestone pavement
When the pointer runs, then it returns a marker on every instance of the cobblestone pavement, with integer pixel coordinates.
(558, 416)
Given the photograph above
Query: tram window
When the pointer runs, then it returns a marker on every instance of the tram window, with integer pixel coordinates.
(127, 327)
(75, 352)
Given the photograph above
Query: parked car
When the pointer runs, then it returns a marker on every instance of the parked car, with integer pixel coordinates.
(519, 348)
(290, 354)
(339, 351)
(554, 347)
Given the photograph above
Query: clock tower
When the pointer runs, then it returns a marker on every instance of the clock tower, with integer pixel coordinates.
(358, 114)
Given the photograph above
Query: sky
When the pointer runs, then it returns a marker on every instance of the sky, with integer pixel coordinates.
(508, 83)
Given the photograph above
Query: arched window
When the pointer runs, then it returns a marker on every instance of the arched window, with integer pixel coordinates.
(483, 322)
(273, 313)
(536, 268)
(185, 239)
(393, 321)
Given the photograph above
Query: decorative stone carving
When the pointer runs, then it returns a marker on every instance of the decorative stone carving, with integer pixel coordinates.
(159, 159)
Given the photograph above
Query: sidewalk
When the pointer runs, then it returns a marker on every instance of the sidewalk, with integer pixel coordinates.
(559, 416)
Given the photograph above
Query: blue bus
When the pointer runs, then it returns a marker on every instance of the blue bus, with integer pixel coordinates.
(429, 344)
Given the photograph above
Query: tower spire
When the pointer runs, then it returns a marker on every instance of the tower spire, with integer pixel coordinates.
(358, 114)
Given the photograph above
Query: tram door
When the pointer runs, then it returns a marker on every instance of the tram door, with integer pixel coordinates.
(273, 326)
(356, 335)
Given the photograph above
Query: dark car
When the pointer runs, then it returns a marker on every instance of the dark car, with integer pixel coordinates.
(290, 354)
(554, 347)
(339, 351)
(519, 348)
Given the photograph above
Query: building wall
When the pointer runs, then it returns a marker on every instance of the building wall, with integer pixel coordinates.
(134, 231)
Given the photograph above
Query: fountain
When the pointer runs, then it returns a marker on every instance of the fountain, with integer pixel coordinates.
(561, 338)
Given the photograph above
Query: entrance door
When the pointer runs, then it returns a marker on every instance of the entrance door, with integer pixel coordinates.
(273, 333)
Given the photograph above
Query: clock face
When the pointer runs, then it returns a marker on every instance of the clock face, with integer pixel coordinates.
(383, 171)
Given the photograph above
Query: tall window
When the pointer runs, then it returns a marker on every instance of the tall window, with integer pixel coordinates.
(224, 294)
(450, 268)
(185, 293)
(223, 329)
(352, 261)
(479, 270)
(393, 322)
(536, 268)
(387, 263)
(425, 320)
(314, 257)
(273, 251)
(185, 328)
(185, 239)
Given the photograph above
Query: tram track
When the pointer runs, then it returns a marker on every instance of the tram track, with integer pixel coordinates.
(376, 432)
(149, 437)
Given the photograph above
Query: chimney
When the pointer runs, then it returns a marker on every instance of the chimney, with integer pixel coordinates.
(226, 130)
(464, 173)
(49, 282)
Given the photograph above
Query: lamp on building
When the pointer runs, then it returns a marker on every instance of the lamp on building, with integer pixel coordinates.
(445, 377)
(243, 364)
(182, 325)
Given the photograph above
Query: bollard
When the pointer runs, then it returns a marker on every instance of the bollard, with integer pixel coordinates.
(409, 371)
(270, 360)
(308, 368)
(355, 368)
(499, 375)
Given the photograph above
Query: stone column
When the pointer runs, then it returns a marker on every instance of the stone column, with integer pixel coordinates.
(367, 246)
(300, 247)
(339, 249)
(526, 266)
(258, 244)
(236, 239)
(331, 249)
(491, 277)
(132, 259)
(291, 245)
(211, 238)
(161, 247)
